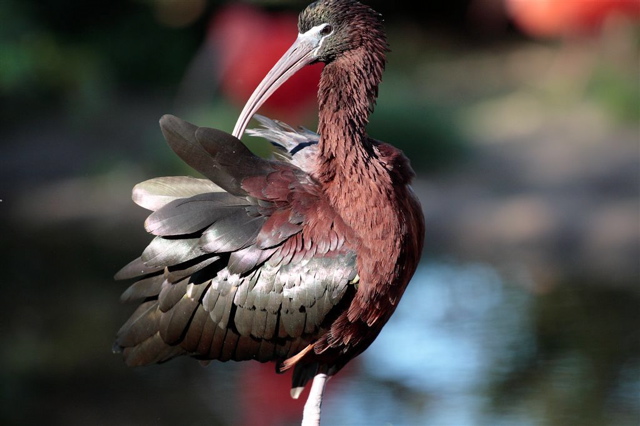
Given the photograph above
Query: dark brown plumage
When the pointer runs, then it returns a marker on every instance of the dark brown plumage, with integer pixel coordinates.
(300, 259)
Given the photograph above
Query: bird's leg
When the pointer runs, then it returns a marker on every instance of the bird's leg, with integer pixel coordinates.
(311, 413)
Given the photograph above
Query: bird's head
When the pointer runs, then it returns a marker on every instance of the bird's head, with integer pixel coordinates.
(338, 26)
(328, 29)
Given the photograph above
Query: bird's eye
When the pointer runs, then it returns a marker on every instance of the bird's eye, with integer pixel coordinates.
(326, 30)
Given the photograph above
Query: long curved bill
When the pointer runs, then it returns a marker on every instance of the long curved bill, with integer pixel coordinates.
(300, 54)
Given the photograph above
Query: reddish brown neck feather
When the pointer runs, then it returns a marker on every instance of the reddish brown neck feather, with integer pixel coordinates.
(355, 179)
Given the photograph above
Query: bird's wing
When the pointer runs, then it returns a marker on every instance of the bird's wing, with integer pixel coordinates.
(297, 146)
(241, 267)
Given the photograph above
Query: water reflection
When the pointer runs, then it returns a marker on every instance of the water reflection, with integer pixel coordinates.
(468, 347)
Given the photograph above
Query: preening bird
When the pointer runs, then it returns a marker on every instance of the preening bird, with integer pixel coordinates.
(299, 259)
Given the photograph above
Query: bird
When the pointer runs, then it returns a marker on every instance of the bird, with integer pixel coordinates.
(299, 259)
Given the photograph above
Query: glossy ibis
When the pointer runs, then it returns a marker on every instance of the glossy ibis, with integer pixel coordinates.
(300, 259)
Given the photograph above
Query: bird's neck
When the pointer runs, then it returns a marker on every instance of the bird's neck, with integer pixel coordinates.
(362, 183)
(353, 178)
(346, 96)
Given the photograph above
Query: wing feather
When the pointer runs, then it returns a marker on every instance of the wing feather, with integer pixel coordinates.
(199, 332)
(246, 259)
(136, 268)
(231, 233)
(276, 229)
(188, 215)
(143, 289)
(151, 351)
(174, 323)
(229, 345)
(170, 294)
(170, 251)
(181, 137)
(231, 273)
(231, 157)
(141, 325)
(155, 193)
(196, 269)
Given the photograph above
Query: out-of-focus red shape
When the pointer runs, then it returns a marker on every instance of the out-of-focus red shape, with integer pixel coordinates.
(558, 18)
(248, 42)
(266, 399)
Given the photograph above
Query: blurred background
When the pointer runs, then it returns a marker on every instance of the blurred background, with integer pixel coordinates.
(521, 118)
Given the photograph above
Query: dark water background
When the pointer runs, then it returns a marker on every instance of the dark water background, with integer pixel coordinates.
(524, 311)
